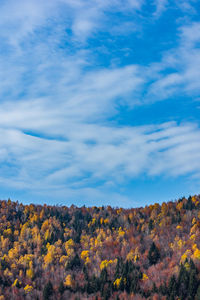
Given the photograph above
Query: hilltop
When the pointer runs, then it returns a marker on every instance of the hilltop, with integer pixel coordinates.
(52, 252)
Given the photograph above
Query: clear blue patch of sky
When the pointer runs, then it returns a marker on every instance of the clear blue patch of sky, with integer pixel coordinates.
(147, 190)
(179, 109)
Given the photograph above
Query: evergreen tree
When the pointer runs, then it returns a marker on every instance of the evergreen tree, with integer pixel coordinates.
(183, 282)
(104, 276)
(48, 290)
(74, 263)
(198, 293)
(153, 255)
(154, 288)
(172, 288)
(106, 292)
(150, 224)
(189, 204)
(61, 288)
(193, 283)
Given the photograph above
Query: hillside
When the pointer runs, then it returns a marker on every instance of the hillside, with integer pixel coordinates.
(52, 252)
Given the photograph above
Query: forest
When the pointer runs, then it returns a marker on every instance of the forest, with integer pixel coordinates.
(100, 253)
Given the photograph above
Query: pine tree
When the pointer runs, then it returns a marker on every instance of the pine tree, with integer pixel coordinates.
(150, 224)
(153, 255)
(183, 282)
(172, 288)
(193, 284)
(48, 290)
(61, 288)
(198, 293)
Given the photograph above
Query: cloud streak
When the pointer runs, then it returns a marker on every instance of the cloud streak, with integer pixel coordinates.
(93, 154)
(58, 131)
(184, 61)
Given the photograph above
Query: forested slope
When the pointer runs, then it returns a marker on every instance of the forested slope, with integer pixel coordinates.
(52, 252)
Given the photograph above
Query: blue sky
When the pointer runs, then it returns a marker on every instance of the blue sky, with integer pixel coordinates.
(99, 101)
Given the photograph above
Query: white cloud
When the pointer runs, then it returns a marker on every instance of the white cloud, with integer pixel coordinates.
(179, 70)
(55, 134)
(94, 155)
(20, 19)
(161, 6)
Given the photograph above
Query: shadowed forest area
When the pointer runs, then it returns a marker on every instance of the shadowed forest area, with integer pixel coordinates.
(53, 252)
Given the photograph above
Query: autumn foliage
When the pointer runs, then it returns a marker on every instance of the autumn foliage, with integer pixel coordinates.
(53, 252)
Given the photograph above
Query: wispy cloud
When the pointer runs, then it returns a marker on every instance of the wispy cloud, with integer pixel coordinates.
(22, 18)
(161, 6)
(94, 155)
(58, 101)
(179, 70)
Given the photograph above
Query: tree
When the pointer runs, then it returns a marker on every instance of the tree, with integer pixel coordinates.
(183, 282)
(74, 263)
(150, 224)
(48, 290)
(153, 255)
(193, 283)
(172, 288)
(198, 293)
(61, 288)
